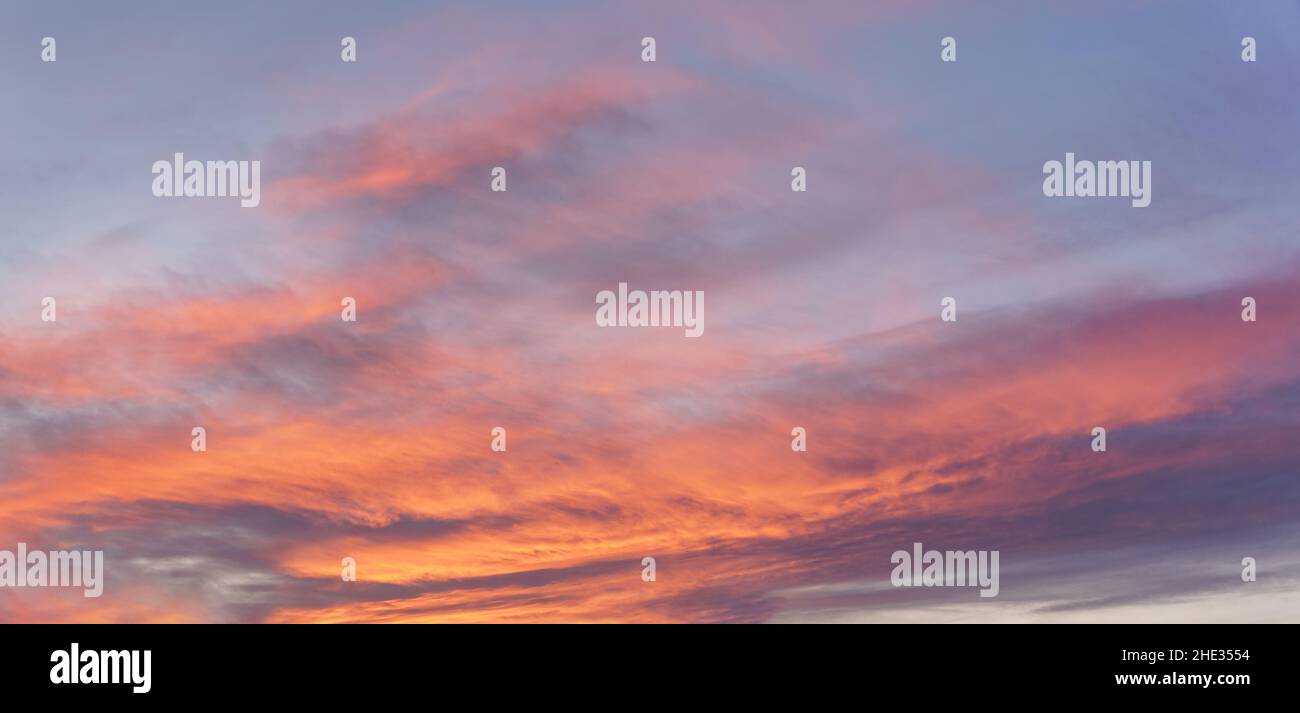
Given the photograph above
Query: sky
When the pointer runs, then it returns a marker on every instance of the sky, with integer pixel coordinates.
(371, 439)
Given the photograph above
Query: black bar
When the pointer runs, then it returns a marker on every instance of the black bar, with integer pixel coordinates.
(988, 665)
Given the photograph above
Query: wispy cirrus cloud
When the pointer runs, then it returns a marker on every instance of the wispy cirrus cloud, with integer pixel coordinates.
(370, 439)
